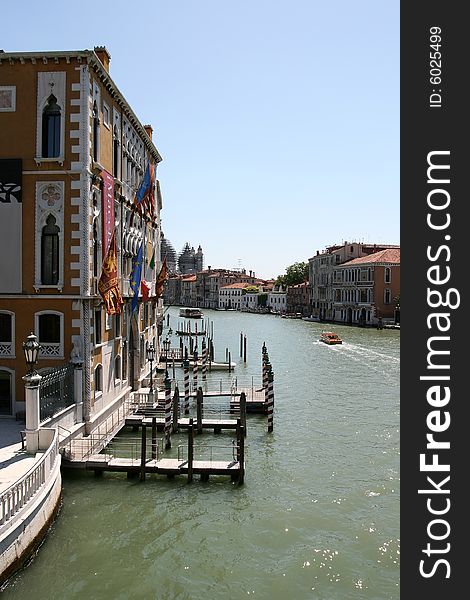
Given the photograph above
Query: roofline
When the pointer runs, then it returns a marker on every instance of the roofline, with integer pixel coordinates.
(93, 61)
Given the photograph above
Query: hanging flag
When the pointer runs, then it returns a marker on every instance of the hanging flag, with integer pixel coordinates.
(145, 288)
(108, 285)
(144, 194)
(162, 277)
(136, 276)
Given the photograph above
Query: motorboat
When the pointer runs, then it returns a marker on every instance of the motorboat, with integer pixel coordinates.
(330, 338)
(191, 313)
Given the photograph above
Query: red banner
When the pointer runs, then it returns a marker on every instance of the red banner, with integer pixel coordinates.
(108, 209)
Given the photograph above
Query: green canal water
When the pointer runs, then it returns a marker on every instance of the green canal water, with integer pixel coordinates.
(317, 517)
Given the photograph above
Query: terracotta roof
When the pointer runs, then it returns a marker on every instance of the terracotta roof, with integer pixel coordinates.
(237, 286)
(189, 278)
(390, 255)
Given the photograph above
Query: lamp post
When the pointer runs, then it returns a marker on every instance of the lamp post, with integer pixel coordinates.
(151, 358)
(32, 381)
(166, 346)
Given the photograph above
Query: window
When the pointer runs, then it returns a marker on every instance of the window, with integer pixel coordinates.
(50, 252)
(7, 346)
(98, 336)
(117, 326)
(388, 275)
(116, 153)
(387, 296)
(51, 129)
(106, 115)
(96, 133)
(98, 380)
(7, 98)
(6, 382)
(49, 329)
(117, 368)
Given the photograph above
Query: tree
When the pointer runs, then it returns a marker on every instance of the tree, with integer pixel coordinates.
(296, 273)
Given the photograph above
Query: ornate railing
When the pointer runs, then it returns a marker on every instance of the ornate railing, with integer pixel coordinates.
(16, 498)
(56, 391)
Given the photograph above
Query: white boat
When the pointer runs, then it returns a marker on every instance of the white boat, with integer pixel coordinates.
(191, 313)
(213, 366)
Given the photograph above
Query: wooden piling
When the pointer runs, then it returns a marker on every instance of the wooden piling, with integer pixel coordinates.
(241, 451)
(176, 405)
(167, 412)
(199, 407)
(241, 344)
(229, 363)
(143, 452)
(190, 450)
(243, 411)
(154, 438)
(174, 375)
(244, 349)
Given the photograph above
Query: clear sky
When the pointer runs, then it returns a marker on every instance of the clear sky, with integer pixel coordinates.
(277, 121)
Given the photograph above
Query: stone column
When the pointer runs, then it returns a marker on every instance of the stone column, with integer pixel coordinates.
(31, 383)
(78, 390)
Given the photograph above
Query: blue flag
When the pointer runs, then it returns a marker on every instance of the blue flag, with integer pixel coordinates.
(136, 276)
(145, 186)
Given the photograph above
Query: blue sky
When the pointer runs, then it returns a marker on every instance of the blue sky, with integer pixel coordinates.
(278, 122)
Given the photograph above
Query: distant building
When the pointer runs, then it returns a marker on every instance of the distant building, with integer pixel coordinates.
(189, 260)
(366, 289)
(322, 274)
(277, 299)
(298, 298)
(231, 296)
(168, 251)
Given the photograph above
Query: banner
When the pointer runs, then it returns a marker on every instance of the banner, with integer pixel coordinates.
(108, 209)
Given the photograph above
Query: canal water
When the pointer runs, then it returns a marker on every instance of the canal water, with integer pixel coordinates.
(317, 517)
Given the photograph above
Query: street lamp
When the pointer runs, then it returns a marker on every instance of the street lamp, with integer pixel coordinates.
(166, 346)
(31, 351)
(151, 358)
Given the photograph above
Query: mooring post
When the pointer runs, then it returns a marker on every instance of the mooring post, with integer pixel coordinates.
(195, 367)
(143, 451)
(190, 450)
(191, 344)
(241, 452)
(243, 411)
(270, 401)
(241, 344)
(176, 405)
(204, 360)
(199, 406)
(186, 385)
(226, 354)
(167, 412)
(174, 376)
(154, 438)
(244, 349)
(229, 362)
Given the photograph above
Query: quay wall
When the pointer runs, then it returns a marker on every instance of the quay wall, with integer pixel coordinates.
(23, 533)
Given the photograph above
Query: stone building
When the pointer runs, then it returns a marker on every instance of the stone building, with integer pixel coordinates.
(73, 154)
(189, 260)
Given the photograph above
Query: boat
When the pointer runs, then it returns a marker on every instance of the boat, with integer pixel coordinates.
(330, 338)
(312, 318)
(191, 313)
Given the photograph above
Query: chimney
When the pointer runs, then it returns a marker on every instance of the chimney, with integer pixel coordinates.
(149, 130)
(103, 55)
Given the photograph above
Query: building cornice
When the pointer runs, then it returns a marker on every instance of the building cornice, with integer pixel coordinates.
(90, 58)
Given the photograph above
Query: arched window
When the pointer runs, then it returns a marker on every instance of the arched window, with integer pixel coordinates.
(387, 296)
(98, 380)
(6, 389)
(50, 252)
(387, 275)
(96, 132)
(116, 153)
(51, 128)
(117, 368)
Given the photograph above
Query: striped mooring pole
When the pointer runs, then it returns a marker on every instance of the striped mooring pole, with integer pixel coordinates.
(270, 400)
(195, 370)
(186, 385)
(167, 411)
(204, 360)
